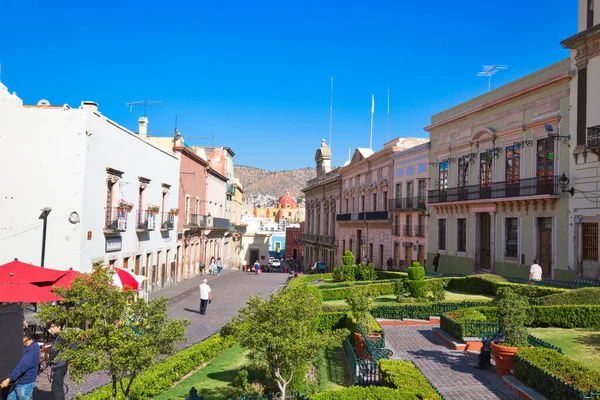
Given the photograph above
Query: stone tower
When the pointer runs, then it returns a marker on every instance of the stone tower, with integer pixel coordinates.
(323, 159)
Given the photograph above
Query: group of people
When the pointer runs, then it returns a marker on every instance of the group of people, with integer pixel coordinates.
(21, 381)
(216, 266)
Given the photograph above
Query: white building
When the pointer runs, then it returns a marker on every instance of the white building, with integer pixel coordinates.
(81, 164)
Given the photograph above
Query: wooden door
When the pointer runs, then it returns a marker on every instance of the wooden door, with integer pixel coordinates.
(485, 250)
(545, 246)
(137, 264)
(408, 256)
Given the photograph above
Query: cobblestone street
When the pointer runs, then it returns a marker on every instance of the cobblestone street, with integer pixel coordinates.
(230, 292)
(450, 371)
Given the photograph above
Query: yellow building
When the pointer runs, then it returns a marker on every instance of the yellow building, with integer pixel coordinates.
(286, 209)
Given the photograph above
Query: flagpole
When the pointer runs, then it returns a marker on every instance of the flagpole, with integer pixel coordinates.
(372, 112)
(330, 112)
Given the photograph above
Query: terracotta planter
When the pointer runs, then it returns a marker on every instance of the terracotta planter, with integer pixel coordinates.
(504, 357)
(359, 345)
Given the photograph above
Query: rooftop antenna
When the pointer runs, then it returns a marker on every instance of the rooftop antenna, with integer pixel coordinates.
(387, 137)
(489, 70)
(330, 111)
(372, 113)
(144, 103)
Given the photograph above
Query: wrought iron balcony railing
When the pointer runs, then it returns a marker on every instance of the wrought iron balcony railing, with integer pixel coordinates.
(408, 203)
(498, 190)
(419, 230)
(593, 137)
(220, 223)
(168, 222)
(195, 221)
(364, 216)
(407, 230)
(146, 220)
(116, 219)
(397, 229)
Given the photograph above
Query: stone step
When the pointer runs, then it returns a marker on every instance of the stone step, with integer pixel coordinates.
(448, 340)
(521, 389)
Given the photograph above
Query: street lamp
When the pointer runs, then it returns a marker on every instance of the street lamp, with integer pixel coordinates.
(563, 182)
(44, 216)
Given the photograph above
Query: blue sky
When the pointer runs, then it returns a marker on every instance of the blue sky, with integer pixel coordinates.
(256, 75)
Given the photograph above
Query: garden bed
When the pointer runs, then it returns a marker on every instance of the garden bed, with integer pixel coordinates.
(332, 373)
(582, 345)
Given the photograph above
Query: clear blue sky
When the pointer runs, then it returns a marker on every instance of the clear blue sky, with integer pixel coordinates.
(256, 74)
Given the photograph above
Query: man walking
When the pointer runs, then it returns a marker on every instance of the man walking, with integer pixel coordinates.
(205, 296)
(535, 272)
(219, 266)
(436, 261)
(25, 373)
(59, 367)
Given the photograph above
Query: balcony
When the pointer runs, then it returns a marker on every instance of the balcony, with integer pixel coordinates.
(309, 237)
(116, 220)
(419, 230)
(146, 220)
(537, 186)
(407, 230)
(408, 203)
(364, 216)
(195, 221)
(168, 221)
(219, 223)
(397, 230)
(240, 228)
(231, 189)
(593, 137)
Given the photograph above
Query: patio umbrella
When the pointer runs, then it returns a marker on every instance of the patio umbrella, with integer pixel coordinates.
(63, 282)
(127, 279)
(16, 292)
(17, 271)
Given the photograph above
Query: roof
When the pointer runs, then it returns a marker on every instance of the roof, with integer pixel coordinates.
(577, 39)
(365, 152)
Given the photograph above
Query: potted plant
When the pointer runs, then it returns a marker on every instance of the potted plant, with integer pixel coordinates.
(174, 211)
(514, 317)
(124, 205)
(153, 209)
(360, 303)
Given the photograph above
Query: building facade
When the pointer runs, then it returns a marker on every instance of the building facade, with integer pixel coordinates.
(322, 196)
(584, 126)
(217, 226)
(409, 205)
(294, 248)
(106, 205)
(495, 200)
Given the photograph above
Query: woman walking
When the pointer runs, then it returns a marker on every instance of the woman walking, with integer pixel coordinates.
(219, 266)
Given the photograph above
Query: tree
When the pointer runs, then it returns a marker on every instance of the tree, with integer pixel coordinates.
(113, 329)
(281, 332)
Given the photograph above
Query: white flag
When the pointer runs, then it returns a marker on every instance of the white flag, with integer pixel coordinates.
(372, 104)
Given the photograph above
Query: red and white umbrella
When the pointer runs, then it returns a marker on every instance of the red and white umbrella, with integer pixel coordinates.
(127, 279)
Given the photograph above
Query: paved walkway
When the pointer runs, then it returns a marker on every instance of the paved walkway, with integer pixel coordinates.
(450, 371)
(230, 292)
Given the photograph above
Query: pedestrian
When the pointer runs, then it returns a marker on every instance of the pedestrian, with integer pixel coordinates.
(212, 269)
(256, 268)
(58, 366)
(219, 266)
(205, 296)
(24, 375)
(365, 260)
(535, 272)
(389, 263)
(436, 261)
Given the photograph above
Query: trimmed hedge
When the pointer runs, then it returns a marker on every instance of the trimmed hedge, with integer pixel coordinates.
(329, 321)
(489, 284)
(300, 280)
(337, 285)
(416, 273)
(162, 375)
(417, 288)
(404, 375)
(391, 275)
(575, 296)
(566, 316)
(363, 393)
(376, 289)
(421, 310)
(540, 368)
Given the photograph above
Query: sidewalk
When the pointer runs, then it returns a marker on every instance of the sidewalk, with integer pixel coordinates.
(182, 289)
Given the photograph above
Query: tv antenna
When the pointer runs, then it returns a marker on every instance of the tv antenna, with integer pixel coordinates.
(489, 70)
(144, 103)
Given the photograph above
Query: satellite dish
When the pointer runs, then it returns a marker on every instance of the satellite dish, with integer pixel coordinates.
(43, 102)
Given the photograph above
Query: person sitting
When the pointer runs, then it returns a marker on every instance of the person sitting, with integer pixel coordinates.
(24, 374)
(485, 355)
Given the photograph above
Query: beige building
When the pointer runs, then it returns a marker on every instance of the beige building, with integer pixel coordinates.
(495, 199)
(409, 205)
(322, 199)
(584, 211)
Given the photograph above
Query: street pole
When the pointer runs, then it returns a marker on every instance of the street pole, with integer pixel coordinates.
(44, 216)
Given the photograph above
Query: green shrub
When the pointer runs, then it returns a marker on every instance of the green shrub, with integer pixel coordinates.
(437, 287)
(401, 290)
(376, 289)
(476, 284)
(348, 258)
(343, 273)
(417, 289)
(404, 375)
(381, 275)
(300, 280)
(360, 304)
(329, 321)
(469, 314)
(336, 285)
(566, 316)
(416, 273)
(420, 311)
(576, 296)
(162, 375)
(514, 316)
(363, 393)
(365, 272)
(315, 290)
(553, 363)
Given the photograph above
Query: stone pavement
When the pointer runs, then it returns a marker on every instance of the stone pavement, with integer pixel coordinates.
(230, 292)
(450, 371)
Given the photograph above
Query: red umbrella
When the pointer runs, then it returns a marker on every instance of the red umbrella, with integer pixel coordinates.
(127, 279)
(25, 292)
(17, 271)
(64, 281)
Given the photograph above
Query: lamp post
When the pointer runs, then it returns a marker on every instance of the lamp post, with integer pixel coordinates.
(44, 216)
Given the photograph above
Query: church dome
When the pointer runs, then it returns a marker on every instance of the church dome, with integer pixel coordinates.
(287, 200)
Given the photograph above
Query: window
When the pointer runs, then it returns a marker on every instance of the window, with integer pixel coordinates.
(398, 190)
(347, 206)
(443, 175)
(374, 201)
(421, 192)
(295, 235)
(343, 246)
(590, 242)
(513, 164)
(385, 201)
(463, 171)
(485, 169)
(461, 235)
(362, 205)
(409, 194)
(511, 243)
(545, 158)
(441, 234)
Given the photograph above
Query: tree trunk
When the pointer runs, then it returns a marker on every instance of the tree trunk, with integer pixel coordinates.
(114, 387)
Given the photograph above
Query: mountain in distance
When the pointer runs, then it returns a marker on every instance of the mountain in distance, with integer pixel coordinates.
(274, 183)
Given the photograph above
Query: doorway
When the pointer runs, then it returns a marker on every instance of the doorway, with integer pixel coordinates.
(359, 255)
(381, 256)
(484, 241)
(545, 246)
(254, 254)
(408, 256)
(294, 254)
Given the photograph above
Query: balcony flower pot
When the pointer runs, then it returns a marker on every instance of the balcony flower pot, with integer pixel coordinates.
(121, 209)
(504, 356)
